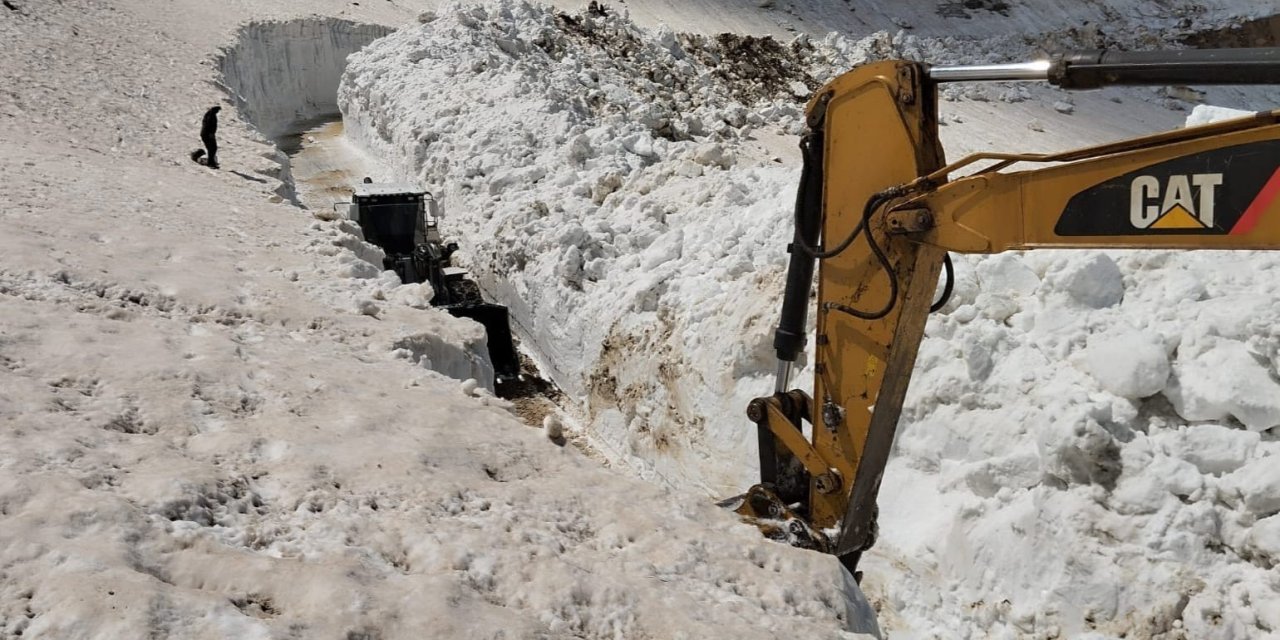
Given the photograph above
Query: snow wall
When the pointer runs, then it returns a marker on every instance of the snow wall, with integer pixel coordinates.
(600, 207)
(1089, 445)
(281, 73)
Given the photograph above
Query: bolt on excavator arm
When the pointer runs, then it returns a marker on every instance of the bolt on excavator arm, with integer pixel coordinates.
(878, 194)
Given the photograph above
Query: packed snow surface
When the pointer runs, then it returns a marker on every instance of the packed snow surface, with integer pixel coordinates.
(1089, 445)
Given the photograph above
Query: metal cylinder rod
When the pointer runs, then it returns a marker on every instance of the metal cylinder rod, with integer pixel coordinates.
(783, 381)
(1035, 70)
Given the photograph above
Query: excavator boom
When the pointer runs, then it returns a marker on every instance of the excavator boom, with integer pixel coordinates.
(878, 209)
(1208, 187)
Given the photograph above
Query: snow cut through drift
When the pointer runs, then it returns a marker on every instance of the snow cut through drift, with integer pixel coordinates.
(618, 191)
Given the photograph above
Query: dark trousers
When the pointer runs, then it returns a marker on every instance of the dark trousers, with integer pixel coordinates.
(211, 147)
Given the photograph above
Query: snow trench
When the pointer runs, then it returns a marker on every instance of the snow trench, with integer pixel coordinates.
(1089, 445)
(606, 210)
(283, 75)
(280, 74)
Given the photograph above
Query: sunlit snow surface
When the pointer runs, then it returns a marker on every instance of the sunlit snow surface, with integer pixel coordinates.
(1088, 444)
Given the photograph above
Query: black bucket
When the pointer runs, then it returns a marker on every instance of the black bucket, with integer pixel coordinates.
(502, 350)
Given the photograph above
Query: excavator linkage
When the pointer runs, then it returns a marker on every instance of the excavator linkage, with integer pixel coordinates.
(879, 231)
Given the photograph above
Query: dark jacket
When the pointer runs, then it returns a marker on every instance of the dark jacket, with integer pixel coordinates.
(209, 126)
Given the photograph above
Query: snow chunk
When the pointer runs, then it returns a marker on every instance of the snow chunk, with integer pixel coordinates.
(417, 295)
(1131, 365)
(1159, 478)
(469, 386)
(1206, 114)
(1218, 377)
(552, 427)
(1005, 273)
(689, 169)
(365, 306)
(1094, 282)
(1215, 449)
(504, 179)
(1079, 452)
(640, 143)
(709, 155)
(1256, 486)
(1264, 538)
(1018, 470)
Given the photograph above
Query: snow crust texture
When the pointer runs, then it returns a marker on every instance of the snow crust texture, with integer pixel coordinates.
(1089, 447)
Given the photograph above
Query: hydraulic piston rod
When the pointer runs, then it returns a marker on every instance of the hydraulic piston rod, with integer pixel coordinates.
(1036, 70)
(1092, 69)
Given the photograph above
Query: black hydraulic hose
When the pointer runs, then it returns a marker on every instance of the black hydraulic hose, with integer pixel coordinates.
(822, 253)
(789, 338)
(946, 288)
(870, 208)
(814, 251)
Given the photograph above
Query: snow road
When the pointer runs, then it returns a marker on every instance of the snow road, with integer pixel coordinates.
(324, 165)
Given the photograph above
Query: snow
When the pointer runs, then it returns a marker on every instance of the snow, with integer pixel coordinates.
(618, 188)
(283, 72)
(1219, 377)
(219, 418)
(1131, 365)
(1207, 113)
(203, 435)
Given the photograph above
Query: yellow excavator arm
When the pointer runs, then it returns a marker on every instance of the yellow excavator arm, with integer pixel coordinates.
(877, 192)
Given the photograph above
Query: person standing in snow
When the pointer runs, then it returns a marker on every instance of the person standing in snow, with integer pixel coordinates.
(209, 135)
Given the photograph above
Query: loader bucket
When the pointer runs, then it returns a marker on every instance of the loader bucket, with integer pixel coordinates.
(497, 325)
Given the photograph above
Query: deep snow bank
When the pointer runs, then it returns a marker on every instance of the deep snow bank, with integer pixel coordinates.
(1115, 408)
(588, 164)
(1084, 447)
(283, 72)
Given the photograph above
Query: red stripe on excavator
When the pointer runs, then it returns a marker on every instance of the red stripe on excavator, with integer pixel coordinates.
(1260, 204)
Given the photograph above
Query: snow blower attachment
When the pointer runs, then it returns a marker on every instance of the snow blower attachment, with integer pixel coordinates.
(880, 229)
(404, 221)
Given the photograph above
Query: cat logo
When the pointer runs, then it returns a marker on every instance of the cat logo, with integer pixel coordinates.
(1180, 202)
(1225, 191)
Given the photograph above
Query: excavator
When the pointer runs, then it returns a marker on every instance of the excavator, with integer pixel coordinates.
(879, 209)
(404, 221)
